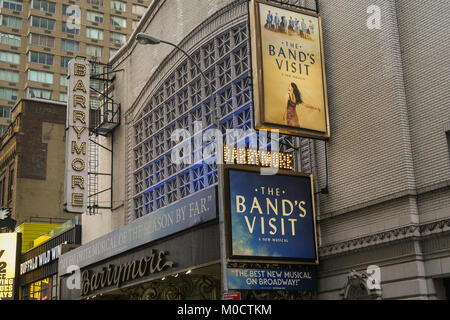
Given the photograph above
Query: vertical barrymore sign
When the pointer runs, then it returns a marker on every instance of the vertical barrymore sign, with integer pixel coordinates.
(288, 70)
(77, 136)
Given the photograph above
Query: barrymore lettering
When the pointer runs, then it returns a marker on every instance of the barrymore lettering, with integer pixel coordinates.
(116, 275)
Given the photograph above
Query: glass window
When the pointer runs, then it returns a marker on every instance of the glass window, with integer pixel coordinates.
(117, 37)
(94, 16)
(94, 33)
(43, 23)
(118, 5)
(63, 80)
(139, 10)
(15, 5)
(10, 183)
(95, 51)
(69, 45)
(10, 39)
(43, 5)
(118, 21)
(8, 94)
(10, 76)
(112, 52)
(70, 28)
(41, 40)
(11, 22)
(40, 76)
(5, 112)
(40, 57)
(39, 93)
(63, 96)
(9, 57)
(65, 62)
(98, 3)
(134, 24)
(3, 178)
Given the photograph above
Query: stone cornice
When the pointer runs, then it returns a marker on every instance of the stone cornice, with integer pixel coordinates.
(402, 233)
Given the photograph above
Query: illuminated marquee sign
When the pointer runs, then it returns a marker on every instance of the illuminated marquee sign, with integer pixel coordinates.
(9, 245)
(261, 158)
(77, 136)
(269, 218)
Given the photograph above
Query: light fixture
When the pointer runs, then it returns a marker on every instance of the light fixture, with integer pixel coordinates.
(189, 271)
(144, 38)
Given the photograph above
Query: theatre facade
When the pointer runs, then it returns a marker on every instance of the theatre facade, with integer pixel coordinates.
(331, 201)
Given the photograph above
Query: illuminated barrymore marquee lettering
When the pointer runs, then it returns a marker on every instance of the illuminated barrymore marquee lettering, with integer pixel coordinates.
(262, 158)
(77, 136)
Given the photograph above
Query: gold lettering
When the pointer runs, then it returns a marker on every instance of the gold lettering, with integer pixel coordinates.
(78, 150)
(79, 115)
(79, 86)
(77, 199)
(79, 101)
(79, 131)
(78, 181)
(78, 164)
(79, 69)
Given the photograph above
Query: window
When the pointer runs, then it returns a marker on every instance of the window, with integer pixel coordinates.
(2, 179)
(40, 76)
(134, 24)
(40, 57)
(11, 22)
(10, 39)
(65, 62)
(94, 16)
(43, 5)
(94, 33)
(8, 94)
(9, 57)
(98, 3)
(39, 93)
(10, 183)
(63, 96)
(138, 10)
(118, 21)
(112, 52)
(41, 40)
(95, 51)
(5, 112)
(10, 76)
(118, 5)
(117, 37)
(43, 23)
(71, 29)
(63, 80)
(15, 5)
(69, 45)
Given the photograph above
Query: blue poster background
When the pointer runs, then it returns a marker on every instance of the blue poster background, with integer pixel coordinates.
(266, 279)
(259, 229)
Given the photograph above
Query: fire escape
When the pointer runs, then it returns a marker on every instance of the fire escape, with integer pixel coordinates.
(104, 118)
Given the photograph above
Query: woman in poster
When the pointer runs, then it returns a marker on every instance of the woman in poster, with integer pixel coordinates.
(293, 99)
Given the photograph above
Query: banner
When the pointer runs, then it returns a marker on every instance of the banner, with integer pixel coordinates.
(270, 218)
(267, 279)
(288, 70)
(77, 136)
(9, 246)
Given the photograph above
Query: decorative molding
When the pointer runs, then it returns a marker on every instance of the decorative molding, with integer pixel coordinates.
(402, 233)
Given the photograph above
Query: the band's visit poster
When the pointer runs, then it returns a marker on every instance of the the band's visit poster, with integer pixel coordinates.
(271, 217)
(290, 90)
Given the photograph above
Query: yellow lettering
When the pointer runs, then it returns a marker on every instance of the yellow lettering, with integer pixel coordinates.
(77, 149)
(79, 69)
(79, 115)
(79, 86)
(78, 164)
(77, 181)
(77, 199)
(79, 101)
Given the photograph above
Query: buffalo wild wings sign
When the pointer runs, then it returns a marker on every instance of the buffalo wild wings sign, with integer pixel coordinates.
(77, 136)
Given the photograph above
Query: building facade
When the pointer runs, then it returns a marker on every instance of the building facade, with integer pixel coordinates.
(39, 37)
(32, 162)
(383, 213)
